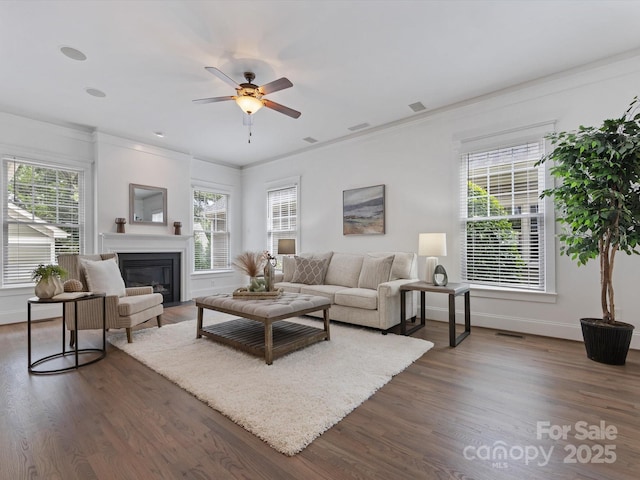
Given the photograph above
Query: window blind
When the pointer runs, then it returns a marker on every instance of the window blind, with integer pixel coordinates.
(210, 230)
(282, 221)
(43, 216)
(503, 217)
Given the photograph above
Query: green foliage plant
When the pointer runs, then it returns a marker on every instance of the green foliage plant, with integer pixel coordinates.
(497, 238)
(598, 196)
(46, 271)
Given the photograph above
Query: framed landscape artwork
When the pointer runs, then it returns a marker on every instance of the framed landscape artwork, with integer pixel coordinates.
(363, 211)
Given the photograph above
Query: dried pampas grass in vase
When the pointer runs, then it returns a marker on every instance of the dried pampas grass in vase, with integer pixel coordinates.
(251, 263)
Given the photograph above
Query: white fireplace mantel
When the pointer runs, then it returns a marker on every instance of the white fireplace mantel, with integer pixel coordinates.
(140, 243)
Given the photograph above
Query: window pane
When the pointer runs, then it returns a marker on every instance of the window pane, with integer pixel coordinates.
(283, 217)
(210, 230)
(502, 217)
(43, 217)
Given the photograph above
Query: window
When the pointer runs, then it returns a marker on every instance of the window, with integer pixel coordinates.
(43, 216)
(282, 217)
(503, 217)
(210, 230)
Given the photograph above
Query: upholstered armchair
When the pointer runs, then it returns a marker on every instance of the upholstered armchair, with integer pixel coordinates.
(125, 307)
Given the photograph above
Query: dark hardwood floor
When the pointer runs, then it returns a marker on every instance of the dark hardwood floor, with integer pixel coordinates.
(448, 416)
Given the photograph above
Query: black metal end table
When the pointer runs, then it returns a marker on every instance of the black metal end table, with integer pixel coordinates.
(451, 289)
(76, 351)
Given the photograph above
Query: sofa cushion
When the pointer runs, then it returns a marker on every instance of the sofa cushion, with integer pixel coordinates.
(309, 271)
(104, 276)
(288, 268)
(344, 269)
(128, 306)
(403, 264)
(289, 287)
(375, 270)
(364, 298)
(327, 291)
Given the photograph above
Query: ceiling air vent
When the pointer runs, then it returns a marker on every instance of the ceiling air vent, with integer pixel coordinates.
(359, 127)
(310, 140)
(417, 107)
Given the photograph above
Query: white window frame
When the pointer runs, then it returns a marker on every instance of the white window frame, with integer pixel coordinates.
(496, 141)
(216, 190)
(287, 183)
(81, 215)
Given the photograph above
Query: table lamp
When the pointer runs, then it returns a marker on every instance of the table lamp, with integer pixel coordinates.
(286, 246)
(432, 246)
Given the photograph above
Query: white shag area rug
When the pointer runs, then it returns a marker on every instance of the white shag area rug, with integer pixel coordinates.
(291, 402)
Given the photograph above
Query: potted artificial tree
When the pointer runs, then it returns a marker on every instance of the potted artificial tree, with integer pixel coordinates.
(598, 204)
(49, 278)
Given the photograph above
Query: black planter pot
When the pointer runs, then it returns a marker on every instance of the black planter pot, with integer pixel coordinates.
(605, 342)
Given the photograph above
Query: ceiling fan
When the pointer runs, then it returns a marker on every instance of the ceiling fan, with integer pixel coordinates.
(249, 96)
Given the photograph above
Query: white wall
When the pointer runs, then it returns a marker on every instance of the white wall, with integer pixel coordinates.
(222, 179)
(40, 141)
(120, 162)
(111, 164)
(419, 164)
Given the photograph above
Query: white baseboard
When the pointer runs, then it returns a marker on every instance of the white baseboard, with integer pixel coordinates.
(531, 326)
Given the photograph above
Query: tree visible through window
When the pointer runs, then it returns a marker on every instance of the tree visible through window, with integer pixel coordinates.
(210, 230)
(43, 216)
(503, 217)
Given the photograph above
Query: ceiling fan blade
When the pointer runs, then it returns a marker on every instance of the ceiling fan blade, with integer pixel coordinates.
(281, 108)
(213, 99)
(274, 86)
(222, 76)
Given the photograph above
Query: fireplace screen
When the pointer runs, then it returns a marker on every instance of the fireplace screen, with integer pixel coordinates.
(159, 270)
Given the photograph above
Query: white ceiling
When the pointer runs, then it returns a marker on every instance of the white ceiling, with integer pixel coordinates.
(351, 62)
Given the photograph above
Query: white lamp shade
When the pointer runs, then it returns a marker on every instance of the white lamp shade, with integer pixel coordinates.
(432, 245)
(286, 246)
(249, 104)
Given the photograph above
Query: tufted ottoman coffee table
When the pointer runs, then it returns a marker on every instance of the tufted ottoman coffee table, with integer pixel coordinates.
(274, 337)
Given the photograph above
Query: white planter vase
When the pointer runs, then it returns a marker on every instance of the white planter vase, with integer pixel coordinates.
(49, 287)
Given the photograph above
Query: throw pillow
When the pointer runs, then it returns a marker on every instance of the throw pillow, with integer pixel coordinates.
(309, 271)
(375, 270)
(288, 268)
(104, 276)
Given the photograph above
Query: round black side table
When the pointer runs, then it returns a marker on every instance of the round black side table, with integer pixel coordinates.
(75, 351)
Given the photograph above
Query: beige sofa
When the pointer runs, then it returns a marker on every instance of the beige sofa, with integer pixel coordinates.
(364, 289)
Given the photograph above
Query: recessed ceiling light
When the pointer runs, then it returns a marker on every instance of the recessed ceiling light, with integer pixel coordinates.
(73, 54)
(310, 139)
(359, 127)
(159, 134)
(95, 92)
(417, 107)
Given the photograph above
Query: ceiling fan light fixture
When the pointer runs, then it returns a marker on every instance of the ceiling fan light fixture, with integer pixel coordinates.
(249, 104)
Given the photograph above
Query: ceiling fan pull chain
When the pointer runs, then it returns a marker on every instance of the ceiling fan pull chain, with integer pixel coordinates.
(249, 138)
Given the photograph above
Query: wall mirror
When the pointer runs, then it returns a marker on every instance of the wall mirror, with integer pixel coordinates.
(147, 205)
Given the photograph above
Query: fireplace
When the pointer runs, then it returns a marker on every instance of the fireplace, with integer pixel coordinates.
(161, 270)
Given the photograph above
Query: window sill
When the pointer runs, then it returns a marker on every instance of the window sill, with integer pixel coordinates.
(212, 272)
(485, 291)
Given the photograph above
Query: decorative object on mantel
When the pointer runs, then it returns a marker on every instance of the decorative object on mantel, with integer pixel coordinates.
(177, 228)
(120, 224)
(432, 245)
(49, 280)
